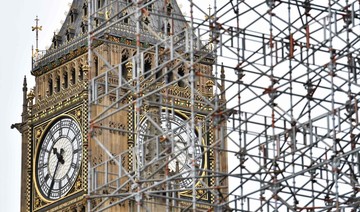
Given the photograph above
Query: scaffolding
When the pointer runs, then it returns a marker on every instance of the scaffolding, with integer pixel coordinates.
(282, 106)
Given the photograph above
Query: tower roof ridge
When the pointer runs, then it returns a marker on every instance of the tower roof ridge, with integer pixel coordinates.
(118, 19)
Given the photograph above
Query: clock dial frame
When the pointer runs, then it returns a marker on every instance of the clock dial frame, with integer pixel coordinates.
(58, 158)
(177, 127)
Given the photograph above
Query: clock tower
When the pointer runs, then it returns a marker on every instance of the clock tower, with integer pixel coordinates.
(121, 117)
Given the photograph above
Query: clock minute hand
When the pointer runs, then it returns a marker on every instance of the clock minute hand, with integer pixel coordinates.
(61, 160)
(53, 179)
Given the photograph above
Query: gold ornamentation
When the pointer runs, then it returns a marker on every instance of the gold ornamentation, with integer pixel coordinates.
(78, 113)
(45, 107)
(31, 95)
(85, 67)
(38, 133)
(209, 83)
(78, 185)
(66, 206)
(129, 66)
(37, 202)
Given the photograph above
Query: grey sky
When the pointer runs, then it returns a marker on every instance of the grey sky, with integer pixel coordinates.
(16, 39)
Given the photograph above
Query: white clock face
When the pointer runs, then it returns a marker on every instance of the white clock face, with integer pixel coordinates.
(183, 152)
(59, 158)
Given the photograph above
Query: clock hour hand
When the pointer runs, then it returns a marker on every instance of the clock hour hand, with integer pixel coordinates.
(59, 155)
(61, 160)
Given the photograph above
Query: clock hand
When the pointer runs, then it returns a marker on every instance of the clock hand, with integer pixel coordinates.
(61, 160)
(60, 156)
(53, 179)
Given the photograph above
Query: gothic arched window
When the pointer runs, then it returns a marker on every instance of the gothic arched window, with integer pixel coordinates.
(56, 41)
(170, 77)
(169, 9)
(158, 74)
(83, 27)
(168, 29)
(69, 34)
(81, 74)
(65, 80)
(96, 64)
(147, 68)
(97, 22)
(123, 66)
(126, 19)
(72, 14)
(50, 86)
(85, 9)
(181, 73)
(73, 76)
(100, 3)
(58, 84)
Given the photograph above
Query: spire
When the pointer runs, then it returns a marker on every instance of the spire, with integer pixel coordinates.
(222, 71)
(25, 89)
(18, 126)
(25, 83)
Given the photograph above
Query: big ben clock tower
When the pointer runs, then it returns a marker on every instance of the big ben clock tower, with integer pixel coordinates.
(120, 116)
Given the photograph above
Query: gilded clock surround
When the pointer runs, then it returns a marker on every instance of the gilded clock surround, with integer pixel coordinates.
(40, 139)
(79, 187)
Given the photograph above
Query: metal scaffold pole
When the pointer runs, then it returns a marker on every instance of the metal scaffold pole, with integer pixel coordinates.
(244, 106)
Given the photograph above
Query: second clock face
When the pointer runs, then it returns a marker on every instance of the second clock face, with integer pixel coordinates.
(59, 158)
(183, 152)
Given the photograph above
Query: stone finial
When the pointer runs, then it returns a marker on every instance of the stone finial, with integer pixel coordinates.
(129, 66)
(31, 95)
(222, 71)
(25, 82)
(209, 83)
(85, 67)
(25, 101)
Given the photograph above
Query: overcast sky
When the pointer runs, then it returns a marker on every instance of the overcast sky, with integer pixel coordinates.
(16, 38)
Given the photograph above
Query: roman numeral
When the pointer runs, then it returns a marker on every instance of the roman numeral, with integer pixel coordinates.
(75, 166)
(67, 134)
(60, 188)
(67, 178)
(47, 177)
(72, 141)
(45, 150)
(43, 166)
